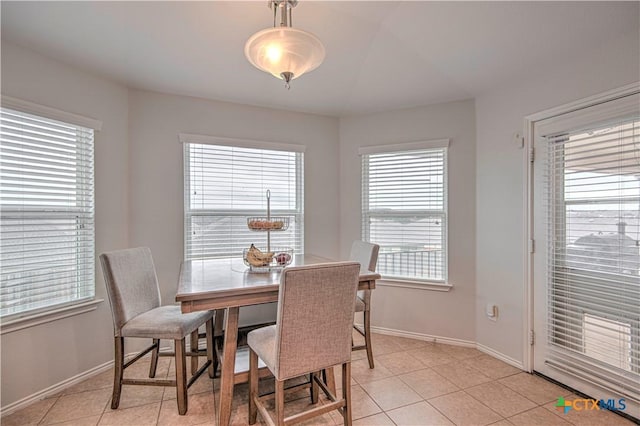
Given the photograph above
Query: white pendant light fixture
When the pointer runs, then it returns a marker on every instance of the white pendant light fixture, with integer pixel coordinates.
(282, 51)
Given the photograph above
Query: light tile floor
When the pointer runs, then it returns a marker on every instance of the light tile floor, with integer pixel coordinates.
(414, 383)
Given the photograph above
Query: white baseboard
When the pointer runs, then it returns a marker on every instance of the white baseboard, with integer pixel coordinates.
(424, 337)
(60, 386)
(450, 341)
(502, 357)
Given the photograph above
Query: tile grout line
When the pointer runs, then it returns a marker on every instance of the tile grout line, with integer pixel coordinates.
(160, 409)
(490, 409)
(521, 394)
(47, 411)
(513, 390)
(436, 396)
(104, 409)
(443, 414)
(373, 400)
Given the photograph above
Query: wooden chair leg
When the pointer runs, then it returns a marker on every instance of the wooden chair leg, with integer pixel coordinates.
(280, 402)
(154, 358)
(346, 393)
(211, 353)
(253, 386)
(330, 379)
(194, 350)
(314, 386)
(181, 376)
(367, 337)
(118, 369)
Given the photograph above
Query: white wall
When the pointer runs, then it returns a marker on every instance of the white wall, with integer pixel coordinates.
(156, 219)
(449, 314)
(499, 177)
(38, 357)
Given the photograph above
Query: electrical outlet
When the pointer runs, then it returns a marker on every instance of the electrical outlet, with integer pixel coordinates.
(518, 140)
(491, 311)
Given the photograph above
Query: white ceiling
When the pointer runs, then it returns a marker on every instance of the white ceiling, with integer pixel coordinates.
(380, 55)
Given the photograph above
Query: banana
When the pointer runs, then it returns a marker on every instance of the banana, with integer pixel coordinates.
(261, 254)
(255, 257)
(254, 261)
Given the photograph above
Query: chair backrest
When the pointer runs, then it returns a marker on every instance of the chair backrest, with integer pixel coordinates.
(315, 317)
(132, 284)
(366, 254)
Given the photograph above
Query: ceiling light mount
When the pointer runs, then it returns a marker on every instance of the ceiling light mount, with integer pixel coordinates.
(284, 7)
(283, 51)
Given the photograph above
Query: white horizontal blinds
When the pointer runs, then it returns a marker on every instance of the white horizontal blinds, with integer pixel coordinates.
(225, 184)
(404, 211)
(47, 212)
(594, 253)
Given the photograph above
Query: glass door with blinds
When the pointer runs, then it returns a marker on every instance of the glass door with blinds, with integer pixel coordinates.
(587, 250)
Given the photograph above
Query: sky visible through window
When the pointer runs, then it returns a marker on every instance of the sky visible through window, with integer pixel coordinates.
(601, 193)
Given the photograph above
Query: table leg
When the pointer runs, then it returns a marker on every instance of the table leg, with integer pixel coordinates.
(228, 366)
(218, 322)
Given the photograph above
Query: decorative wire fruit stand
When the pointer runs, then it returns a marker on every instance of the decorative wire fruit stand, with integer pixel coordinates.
(272, 259)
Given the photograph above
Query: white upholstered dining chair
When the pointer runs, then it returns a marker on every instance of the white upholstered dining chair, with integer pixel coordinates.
(367, 255)
(312, 332)
(134, 296)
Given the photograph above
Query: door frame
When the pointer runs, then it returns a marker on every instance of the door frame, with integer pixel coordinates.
(529, 243)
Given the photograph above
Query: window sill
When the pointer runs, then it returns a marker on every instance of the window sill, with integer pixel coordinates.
(420, 285)
(17, 324)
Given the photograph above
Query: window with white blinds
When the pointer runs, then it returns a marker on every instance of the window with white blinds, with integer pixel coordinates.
(594, 253)
(47, 212)
(224, 185)
(404, 210)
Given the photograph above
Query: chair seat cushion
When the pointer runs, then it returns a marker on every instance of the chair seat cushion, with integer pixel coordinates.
(360, 305)
(164, 322)
(263, 342)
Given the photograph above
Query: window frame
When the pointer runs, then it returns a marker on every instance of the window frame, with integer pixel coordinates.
(298, 213)
(366, 214)
(44, 314)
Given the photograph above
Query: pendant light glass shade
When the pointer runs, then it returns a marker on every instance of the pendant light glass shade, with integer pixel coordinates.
(284, 52)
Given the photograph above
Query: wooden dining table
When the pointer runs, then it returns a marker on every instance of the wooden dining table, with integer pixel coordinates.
(225, 285)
